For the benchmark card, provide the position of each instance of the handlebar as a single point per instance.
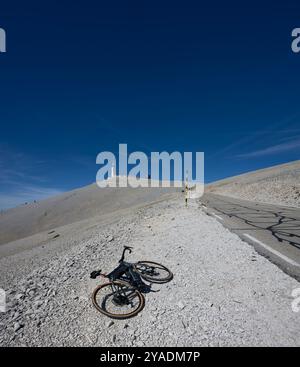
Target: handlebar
(96, 273)
(126, 248)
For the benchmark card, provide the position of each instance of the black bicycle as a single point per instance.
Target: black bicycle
(122, 296)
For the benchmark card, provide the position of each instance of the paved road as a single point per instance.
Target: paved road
(273, 230)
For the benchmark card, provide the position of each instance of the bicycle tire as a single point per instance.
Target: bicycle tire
(115, 315)
(153, 279)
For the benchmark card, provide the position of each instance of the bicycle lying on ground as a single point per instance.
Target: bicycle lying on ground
(122, 296)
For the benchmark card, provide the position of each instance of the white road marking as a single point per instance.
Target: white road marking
(275, 252)
(217, 216)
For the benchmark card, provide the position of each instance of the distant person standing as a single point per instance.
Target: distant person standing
(186, 188)
(186, 199)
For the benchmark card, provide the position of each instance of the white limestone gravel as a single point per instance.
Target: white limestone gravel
(279, 185)
(223, 293)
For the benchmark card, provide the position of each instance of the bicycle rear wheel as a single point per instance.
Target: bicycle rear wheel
(118, 300)
(153, 272)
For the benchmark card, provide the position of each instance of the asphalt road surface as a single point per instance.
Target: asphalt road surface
(273, 230)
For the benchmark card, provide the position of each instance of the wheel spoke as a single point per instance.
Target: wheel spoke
(118, 300)
(153, 271)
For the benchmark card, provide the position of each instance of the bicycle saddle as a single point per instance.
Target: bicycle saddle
(94, 274)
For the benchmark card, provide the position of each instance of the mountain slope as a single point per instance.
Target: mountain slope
(275, 185)
(71, 207)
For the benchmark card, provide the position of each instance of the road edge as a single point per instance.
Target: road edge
(287, 265)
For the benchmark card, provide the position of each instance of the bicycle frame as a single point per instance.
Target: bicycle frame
(126, 269)
(127, 272)
(126, 286)
(131, 277)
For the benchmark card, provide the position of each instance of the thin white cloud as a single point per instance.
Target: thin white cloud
(272, 131)
(16, 166)
(274, 149)
(19, 179)
(26, 195)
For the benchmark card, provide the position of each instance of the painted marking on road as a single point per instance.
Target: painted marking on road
(275, 252)
(217, 216)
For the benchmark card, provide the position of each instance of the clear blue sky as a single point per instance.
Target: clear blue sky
(81, 77)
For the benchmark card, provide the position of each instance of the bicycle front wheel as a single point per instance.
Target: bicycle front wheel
(118, 300)
(153, 272)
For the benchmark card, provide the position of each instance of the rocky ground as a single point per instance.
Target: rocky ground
(223, 293)
(271, 191)
(279, 185)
